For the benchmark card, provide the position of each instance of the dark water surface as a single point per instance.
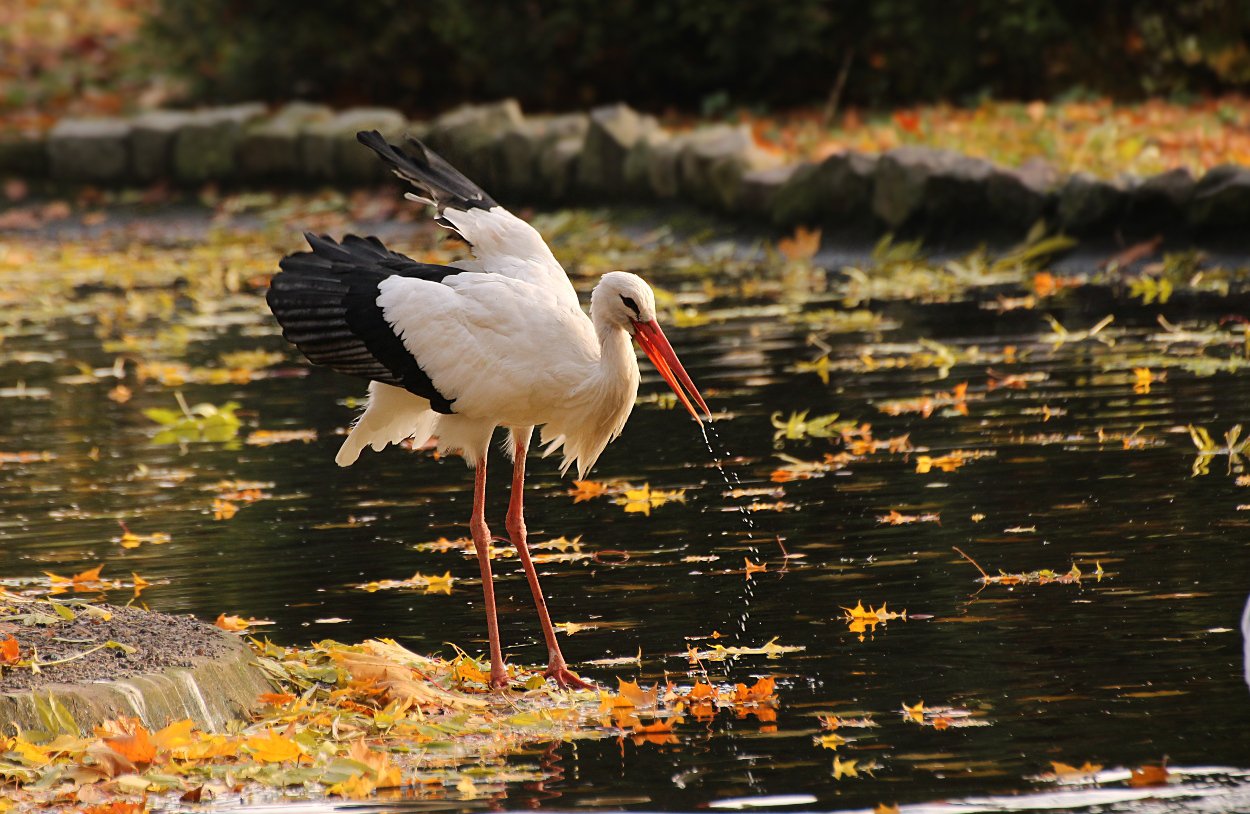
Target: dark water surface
(1076, 468)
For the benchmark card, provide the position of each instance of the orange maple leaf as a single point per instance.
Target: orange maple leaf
(702, 692)
(1065, 770)
(1148, 776)
(231, 623)
(137, 746)
(116, 807)
(657, 726)
(90, 575)
(586, 490)
(802, 245)
(762, 690)
(636, 696)
(908, 120)
(9, 651)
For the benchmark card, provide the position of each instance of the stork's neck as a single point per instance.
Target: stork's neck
(617, 362)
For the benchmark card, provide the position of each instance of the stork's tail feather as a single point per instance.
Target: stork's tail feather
(437, 182)
(391, 416)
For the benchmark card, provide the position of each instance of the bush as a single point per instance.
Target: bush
(561, 54)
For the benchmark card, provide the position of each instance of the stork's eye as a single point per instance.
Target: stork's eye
(631, 305)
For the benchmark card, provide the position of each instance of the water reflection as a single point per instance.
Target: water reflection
(1055, 455)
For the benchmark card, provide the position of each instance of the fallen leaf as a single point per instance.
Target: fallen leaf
(272, 747)
(136, 746)
(1147, 776)
(234, 624)
(802, 245)
(9, 651)
(844, 768)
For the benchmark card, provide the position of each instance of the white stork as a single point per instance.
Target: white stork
(457, 351)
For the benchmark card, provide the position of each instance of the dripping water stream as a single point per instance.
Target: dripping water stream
(733, 482)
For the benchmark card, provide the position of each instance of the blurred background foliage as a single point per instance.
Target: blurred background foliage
(695, 55)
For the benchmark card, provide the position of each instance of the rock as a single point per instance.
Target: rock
(836, 191)
(152, 143)
(713, 161)
(213, 693)
(757, 190)
(640, 170)
(468, 136)
(1088, 203)
(1164, 194)
(557, 167)
(26, 156)
(1020, 196)
(936, 187)
(1221, 199)
(519, 148)
(271, 147)
(329, 151)
(91, 150)
(205, 146)
(613, 131)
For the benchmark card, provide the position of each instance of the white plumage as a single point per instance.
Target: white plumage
(456, 352)
(507, 353)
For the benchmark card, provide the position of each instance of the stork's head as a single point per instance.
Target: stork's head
(623, 301)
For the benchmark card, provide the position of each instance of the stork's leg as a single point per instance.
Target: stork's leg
(556, 668)
(481, 542)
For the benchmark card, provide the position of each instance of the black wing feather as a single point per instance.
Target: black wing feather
(435, 179)
(327, 303)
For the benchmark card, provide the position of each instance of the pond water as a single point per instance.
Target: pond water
(1057, 454)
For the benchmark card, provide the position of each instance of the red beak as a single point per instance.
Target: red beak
(653, 343)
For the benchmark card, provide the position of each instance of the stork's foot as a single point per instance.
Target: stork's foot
(499, 682)
(565, 679)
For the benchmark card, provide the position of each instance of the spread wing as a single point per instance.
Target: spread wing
(502, 243)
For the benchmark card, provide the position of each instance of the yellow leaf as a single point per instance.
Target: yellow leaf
(29, 753)
(439, 585)
(915, 712)
(844, 768)
(637, 696)
(466, 787)
(210, 746)
(273, 747)
(466, 668)
(356, 787)
(830, 741)
(175, 736)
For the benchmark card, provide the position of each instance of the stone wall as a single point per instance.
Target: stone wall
(614, 154)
